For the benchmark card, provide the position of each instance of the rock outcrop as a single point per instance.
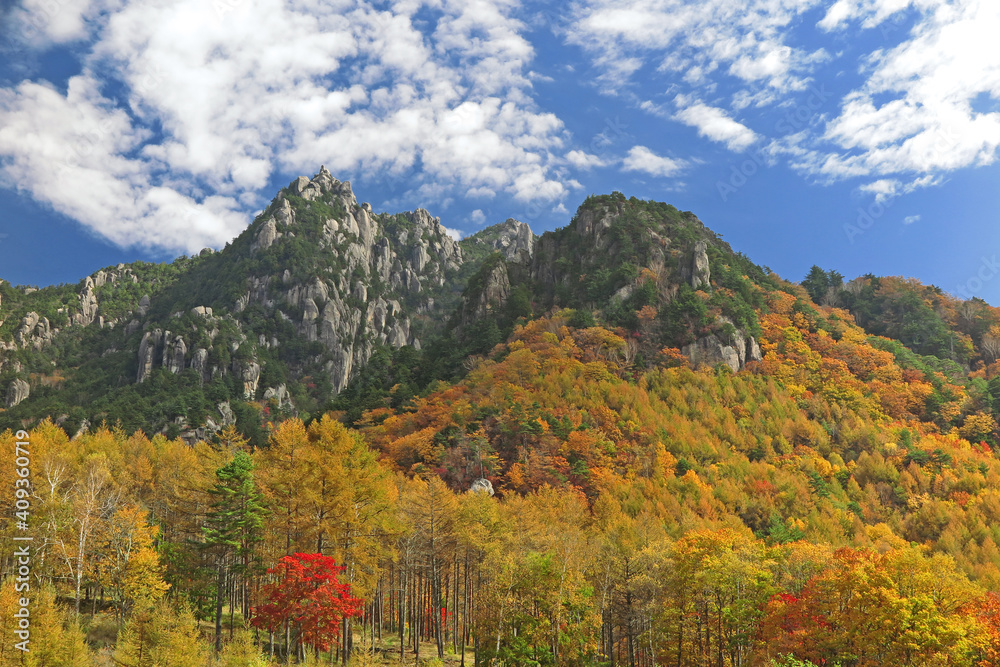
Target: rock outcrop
(697, 273)
(249, 374)
(267, 235)
(490, 297)
(35, 331)
(17, 391)
(511, 238)
(712, 350)
(382, 260)
(151, 340)
(174, 353)
(280, 396)
(88, 303)
(228, 417)
(482, 485)
(199, 362)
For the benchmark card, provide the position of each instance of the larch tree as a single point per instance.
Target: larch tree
(351, 496)
(430, 508)
(158, 636)
(126, 562)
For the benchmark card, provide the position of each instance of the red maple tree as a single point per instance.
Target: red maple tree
(308, 595)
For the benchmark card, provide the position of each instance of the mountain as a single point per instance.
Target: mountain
(291, 310)
(321, 304)
(677, 456)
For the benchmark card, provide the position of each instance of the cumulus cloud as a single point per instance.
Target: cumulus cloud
(210, 109)
(583, 160)
(910, 219)
(644, 160)
(477, 217)
(873, 12)
(44, 22)
(697, 40)
(928, 102)
(916, 112)
(69, 151)
(715, 124)
(883, 189)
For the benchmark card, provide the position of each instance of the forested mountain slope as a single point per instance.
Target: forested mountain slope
(680, 458)
(288, 312)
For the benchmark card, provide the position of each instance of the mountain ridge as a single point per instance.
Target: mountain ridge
(283, 320)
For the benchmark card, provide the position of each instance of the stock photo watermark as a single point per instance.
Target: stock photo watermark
(944, 140)
(868, 216)
(989, 268)
(892, 24)
(611, 134)
(799, 118)
(22, 551)
(89, 143)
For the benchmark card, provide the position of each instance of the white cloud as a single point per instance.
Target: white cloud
(915, 113)
(69, 152)
(584, 160)
(477, 217)
(928, 104)
(873, 12)
(642, 159)
(715, 124)
(697, 40)
(883, 189)
(910, 219)
(453, 233)
(45, 22)
(341, 83)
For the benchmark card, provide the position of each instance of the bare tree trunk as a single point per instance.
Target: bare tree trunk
(403, 583)
(220, 586)
(418, 622)
(466, 593)
(454, 608)
(232, 608)
(435, 605)
(288, 642)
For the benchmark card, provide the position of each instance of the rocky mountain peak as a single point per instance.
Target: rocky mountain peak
(318, 284)
(323, 184)
(516, 241)
(511, 238)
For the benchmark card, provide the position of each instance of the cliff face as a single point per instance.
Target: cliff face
(292, 310)
(343, 278)
(313, 287)
(512, 238)
(369, 278)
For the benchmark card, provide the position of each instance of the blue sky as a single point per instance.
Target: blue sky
(860, 135)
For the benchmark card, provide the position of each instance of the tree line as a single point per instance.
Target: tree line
(179, 549)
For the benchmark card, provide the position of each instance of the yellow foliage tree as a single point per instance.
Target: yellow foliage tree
(126, 564)
(159, 636)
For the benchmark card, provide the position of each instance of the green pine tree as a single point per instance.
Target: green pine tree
(234, 527)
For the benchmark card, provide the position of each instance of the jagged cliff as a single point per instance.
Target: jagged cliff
(366, 279)
(315, 285)
(289, 313)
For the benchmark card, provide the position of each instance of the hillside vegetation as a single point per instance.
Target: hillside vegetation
(620, 443)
